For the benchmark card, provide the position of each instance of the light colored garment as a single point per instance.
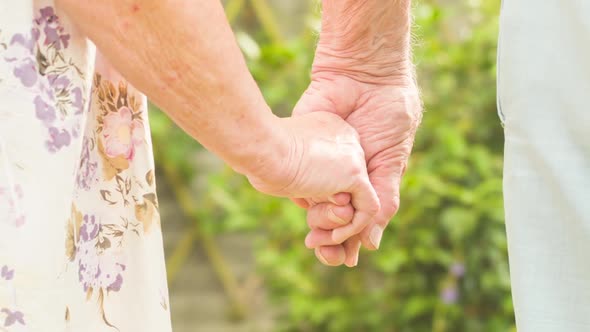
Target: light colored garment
(80, 240)
(544, 90)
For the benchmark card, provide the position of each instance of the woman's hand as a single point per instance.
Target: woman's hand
(324, 157)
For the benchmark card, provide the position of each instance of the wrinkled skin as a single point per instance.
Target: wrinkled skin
(324, 157)
(385, 116)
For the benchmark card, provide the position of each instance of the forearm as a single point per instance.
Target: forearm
(368, 39)
(182, 54)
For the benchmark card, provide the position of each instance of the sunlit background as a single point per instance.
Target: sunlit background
(236, 259)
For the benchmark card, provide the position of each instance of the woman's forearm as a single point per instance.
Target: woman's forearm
(182, 54)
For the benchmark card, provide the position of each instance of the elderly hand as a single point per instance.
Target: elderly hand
(386, 115)
(323, 158)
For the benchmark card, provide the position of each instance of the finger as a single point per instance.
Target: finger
(319, 237)
(301, 202)
(329, 216)
(352, 248)
(366, 205)
(340, 199)
(337, 199)
(331, 255)
(386, 183)
(371, 236)
(316, 99)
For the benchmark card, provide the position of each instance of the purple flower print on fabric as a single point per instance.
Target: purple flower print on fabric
(6, 273)
(25, 65)
(98, 268)
(12, 317)
(44, 111)
(57, 139)
(11, 199)
(39, 62)
(54, 33)
(86, 174)
(27, 72)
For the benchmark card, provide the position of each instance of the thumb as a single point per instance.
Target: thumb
(386, 181)
(326, 97)
(305, 104)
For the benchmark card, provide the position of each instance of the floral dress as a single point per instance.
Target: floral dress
(80, 240)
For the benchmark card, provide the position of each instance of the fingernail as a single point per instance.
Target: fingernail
(307, 239)
(336, 237)
(332, 200)
(375, 235)
(353, 263)
(321, 257)
(333, 217)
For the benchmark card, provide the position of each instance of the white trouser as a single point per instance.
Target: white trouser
(544, 99)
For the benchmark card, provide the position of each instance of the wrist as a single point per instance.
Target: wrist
(367, 40)
(262, 149)
(363, 67)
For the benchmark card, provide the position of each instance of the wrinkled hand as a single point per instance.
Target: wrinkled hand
(323, 158)
(386, 116)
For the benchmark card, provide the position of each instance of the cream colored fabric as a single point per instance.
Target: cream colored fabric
(544, 90)
(80, 240)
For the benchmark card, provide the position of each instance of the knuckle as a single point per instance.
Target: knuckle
(406, 115)
(356, 169)
(412, 110)
(373, 208)
(390, 210)
(310, 221)
(351, 131)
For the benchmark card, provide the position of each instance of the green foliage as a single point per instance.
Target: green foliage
(443, 264)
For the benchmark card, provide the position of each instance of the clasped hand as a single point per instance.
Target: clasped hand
(350, 145)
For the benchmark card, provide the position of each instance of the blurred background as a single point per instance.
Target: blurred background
(236, 259)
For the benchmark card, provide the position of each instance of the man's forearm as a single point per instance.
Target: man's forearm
(183, 55)
(366, 38)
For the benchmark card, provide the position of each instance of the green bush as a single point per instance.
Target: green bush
(443, 264)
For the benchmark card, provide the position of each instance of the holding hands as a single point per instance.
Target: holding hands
(341, 155)
(362, 73)
(350, 142)
(386, 117)
(326, 164)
